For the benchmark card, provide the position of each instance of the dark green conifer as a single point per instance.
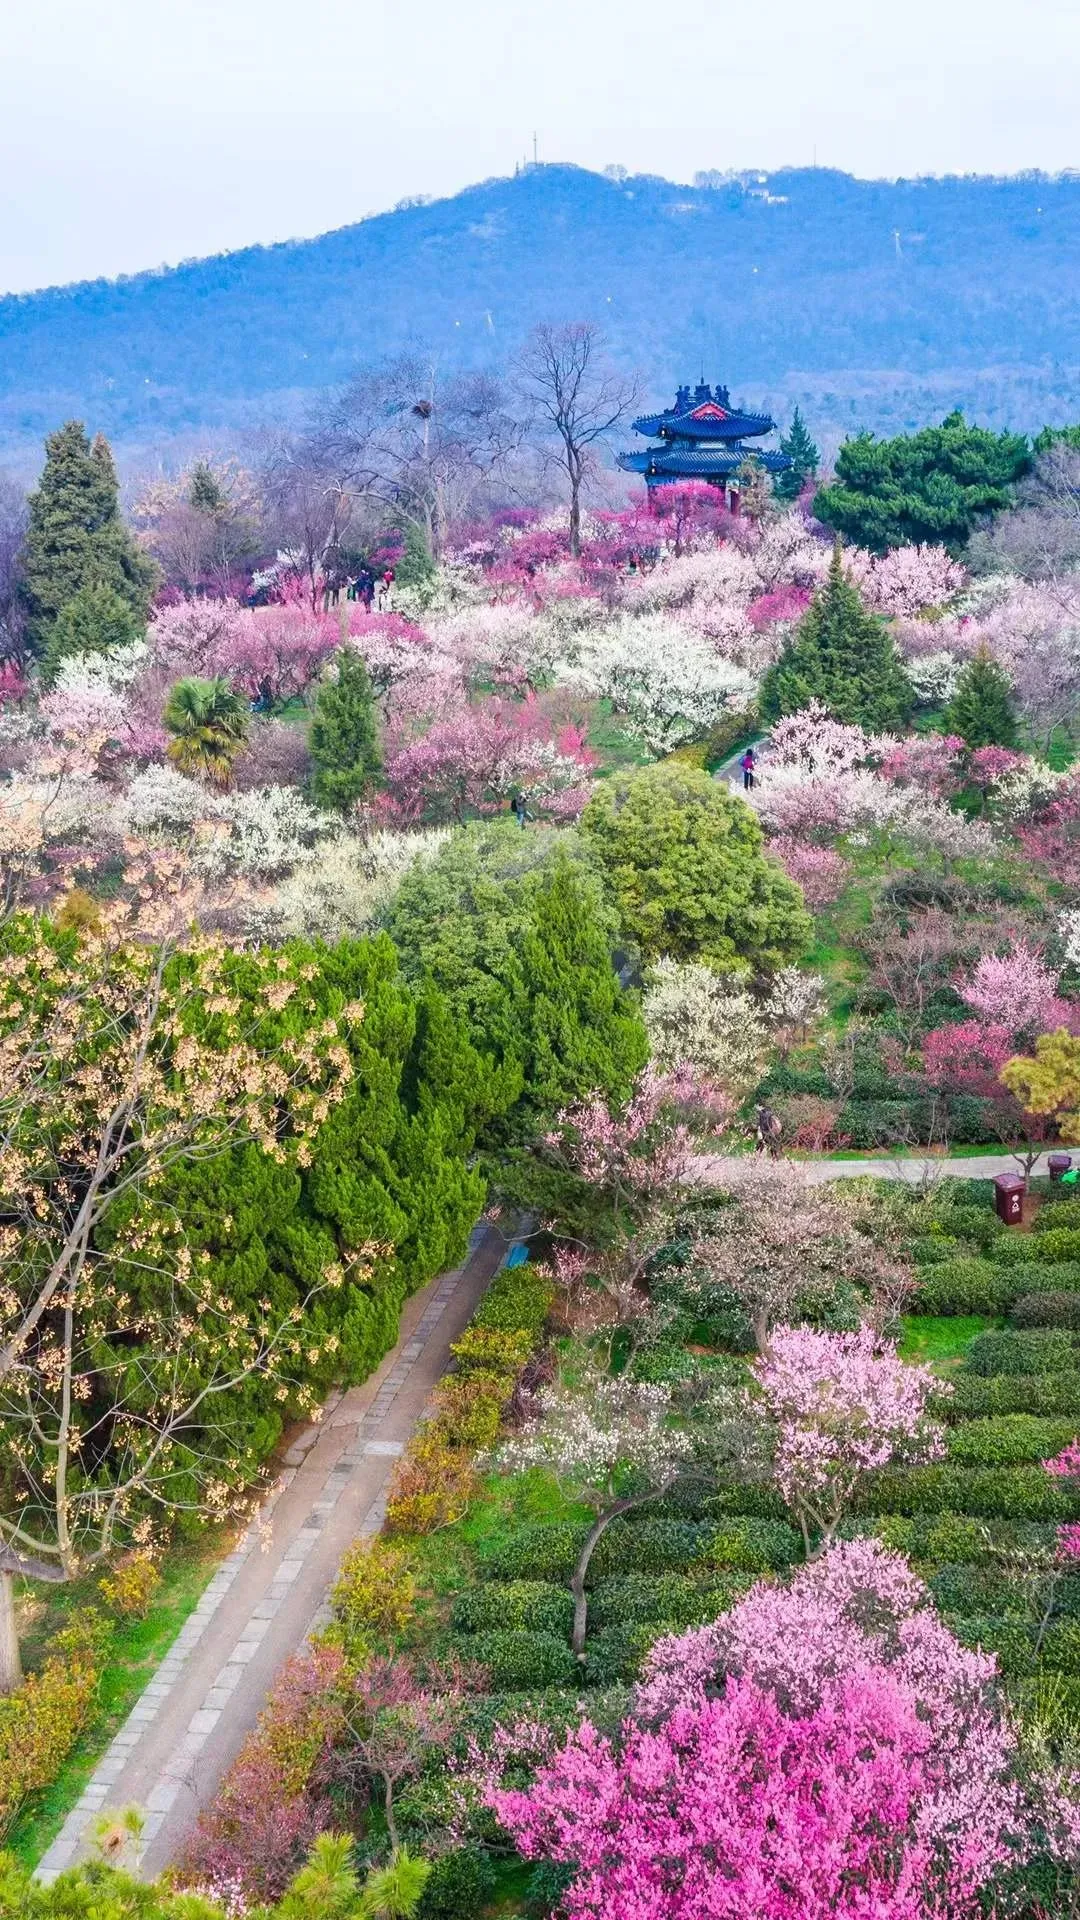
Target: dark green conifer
(843, 656)
(981, 709)
(804, 458)
(344, 737)
(75, 536)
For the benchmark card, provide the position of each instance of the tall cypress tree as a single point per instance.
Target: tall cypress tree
(75, 536)
(981, 709)
(843, 656)
(804, 458)
(344, 736)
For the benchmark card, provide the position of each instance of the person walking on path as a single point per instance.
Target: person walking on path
(748, 763)
(768, 1132)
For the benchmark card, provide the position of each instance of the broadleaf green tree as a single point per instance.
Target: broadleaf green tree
(684, 861)
(981, 710)
(932, 486)
(344, 737)
(843, 656)
(75, 536)
(804, 457)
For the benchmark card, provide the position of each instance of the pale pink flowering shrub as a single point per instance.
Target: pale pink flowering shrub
(1018, 991)
(932, 762)
(843, 1405)
(821, 872)
(968, 1057)
(817, 744)
(473, 762)
(907, 580)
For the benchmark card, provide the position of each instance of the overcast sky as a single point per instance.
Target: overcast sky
(136, 132)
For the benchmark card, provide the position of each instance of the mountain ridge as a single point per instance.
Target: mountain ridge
(877, 303)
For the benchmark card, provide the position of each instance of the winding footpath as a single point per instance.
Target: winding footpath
(265, 1599)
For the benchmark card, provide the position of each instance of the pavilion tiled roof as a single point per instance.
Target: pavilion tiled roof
(683, 462)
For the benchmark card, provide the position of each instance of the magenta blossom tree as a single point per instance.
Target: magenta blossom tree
(824, 1749)
(842, 1405)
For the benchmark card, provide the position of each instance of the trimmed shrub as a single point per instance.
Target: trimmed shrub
(753, 1546)
(978, 1224)
(1013, 1641)
(678, 1597)
(459, 1885)
(1061, 1647)
(1056, 1213)
(1047, 1310)
(517, 1301)
(1005, 1439)
(1039, 1393)
(964, 1285)
(1056, 1243)
(617, 1652)
(1006, 1493)
(958, 1589)
(531, 1606)
(540, 1551)
(1044, 1350)
(655, 1545)
(374, 1592)
(130, 1588)
(41, 1721)
(943, 1537)
(432, 1484)
(514, 1658)
(491, 1350)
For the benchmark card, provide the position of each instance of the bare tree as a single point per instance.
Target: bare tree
(12, 533)
(574, 398)
(309, 503)
(419, 442)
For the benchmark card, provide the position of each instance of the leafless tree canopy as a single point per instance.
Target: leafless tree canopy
(572, 398)
(409, 437)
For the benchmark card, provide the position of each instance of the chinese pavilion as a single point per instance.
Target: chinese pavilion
(702, 437)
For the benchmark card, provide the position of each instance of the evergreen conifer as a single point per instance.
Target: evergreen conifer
(75, 536)
(804, 458)
(981, 709)
(843, 656)
(344, 736)
(96, 620)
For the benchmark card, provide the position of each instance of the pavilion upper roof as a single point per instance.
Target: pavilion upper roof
(703, 415)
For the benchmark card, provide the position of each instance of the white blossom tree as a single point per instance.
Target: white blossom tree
(609, 1442)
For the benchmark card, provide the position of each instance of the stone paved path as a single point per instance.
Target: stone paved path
(263, 1601)
(981, 1166)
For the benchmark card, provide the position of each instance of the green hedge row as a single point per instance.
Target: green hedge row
(531, 1606)
(943, 1538)
(678, 1597)
(1054, 1213)
(1038, 1393)
(1014, 1642)
(514, 1658)
(1054, 1244)
(963, 1588)
(1008, 1439)
(1003, 1493)
(1047, 1310)
(966, 1284)
(518, 1300)
(1036, 1350)
(660, 1545)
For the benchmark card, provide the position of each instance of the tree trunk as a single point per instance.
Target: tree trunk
(577, 1584)
(10, 1663)
(388, 1807)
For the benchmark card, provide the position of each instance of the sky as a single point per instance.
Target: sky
(135, 133)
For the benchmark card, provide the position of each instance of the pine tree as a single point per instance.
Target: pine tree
(204, 492)
(804, 458)
(75, 537)
(96, 620)
(344, 737)
(981, 709)
(416, 568)
(843, 656)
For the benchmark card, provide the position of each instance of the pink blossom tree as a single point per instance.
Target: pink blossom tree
(472, 763)
(821, 872)
(843, 1405)
(1017, 990)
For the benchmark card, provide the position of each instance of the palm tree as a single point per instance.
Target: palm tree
(209, 724)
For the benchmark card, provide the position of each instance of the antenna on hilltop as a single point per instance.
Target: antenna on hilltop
(535, 151)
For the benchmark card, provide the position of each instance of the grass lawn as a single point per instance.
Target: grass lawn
(939, 1341)
(135, 1651)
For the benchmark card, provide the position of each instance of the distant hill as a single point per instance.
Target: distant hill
(871, 302)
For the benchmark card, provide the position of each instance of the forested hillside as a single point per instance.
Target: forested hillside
(872, 303)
